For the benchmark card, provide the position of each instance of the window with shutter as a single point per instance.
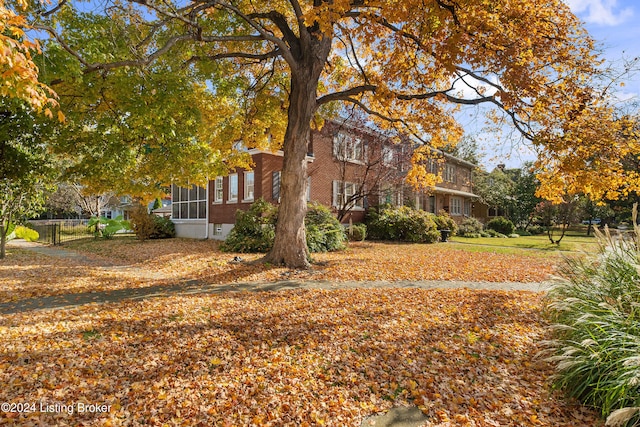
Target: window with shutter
(275, 186)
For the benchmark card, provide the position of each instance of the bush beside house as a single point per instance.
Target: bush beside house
(357, 232)
(255, 229)
(501, 225)
(324, 231)
(470, 227)
(403, 224)
(150, 226)
(444, 222)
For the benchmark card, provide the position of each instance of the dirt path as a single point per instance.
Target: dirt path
(197, 287)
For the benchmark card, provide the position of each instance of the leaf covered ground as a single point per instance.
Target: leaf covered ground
(288, 358)
(305, 357)
(128, 263)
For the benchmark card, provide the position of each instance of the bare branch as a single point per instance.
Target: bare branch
(255, 56)
(345, 95)
(286, 53)
(55, 9)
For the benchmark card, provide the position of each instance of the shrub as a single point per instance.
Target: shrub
(106, 228)
(163, 228)
(357, 232)
(324, 231)
(142, 223)
(491, 233)
(27, 234)
(254, 230)
(444, 222)
(522, 232)
(150, 226)
(473, 235)
(595, 309)
(403, 223)
(536, 229)
(513, 236)
(501, 225)
(470, 227)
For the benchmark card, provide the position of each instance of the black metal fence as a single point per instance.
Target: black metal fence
(58, 231)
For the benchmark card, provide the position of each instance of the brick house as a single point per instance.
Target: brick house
(349, 169)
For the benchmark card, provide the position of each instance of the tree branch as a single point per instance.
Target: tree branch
(91, 67)
(256, 56)
(286, 53)
(345, 95)
(281, 22)
(55, 9)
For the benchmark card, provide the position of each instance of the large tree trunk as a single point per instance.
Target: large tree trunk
(290, 245)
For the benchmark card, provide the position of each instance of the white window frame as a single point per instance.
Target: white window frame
(467, 208)
(348, 148)
(433, 166)
(249, 186)
(386, 194)
(218, 190)
(455, 206)
(400, 197)
(233, 179)
(276, 185)
(450, 173)
(342, 191)
(199, 201)
(387, 156)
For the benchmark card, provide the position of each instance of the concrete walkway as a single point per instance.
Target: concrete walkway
(199, 287)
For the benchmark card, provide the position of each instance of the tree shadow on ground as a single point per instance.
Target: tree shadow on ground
(298, 357)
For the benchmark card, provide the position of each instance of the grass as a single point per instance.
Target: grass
(572, 242)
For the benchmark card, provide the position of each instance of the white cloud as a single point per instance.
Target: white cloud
(602, 12)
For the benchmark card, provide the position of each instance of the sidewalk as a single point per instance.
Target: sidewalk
(198, 287)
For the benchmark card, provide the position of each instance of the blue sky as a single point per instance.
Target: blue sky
(615, 25)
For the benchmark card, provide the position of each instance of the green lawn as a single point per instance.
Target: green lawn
(572, 242)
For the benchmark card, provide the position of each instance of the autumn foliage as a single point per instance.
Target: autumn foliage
(18, 70)
(296, 358)
(276, 66)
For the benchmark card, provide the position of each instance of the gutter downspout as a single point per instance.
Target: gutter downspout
(206, 225)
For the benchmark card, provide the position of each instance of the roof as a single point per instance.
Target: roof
(164, 209)
(442, 190)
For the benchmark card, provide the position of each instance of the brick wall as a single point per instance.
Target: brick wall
(323, 170)
(225, 212)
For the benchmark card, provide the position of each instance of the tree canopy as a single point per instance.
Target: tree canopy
(26, 169)
(409, 65)
(17, 67)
